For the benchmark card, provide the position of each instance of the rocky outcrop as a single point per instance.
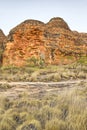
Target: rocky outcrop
(51, 43)
(57, 23)
(2, 40)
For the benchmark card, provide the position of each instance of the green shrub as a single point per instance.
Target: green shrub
(83, 60)
(33, 61)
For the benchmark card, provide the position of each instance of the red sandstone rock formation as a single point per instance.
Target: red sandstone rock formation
(2, 39)
(53, 43)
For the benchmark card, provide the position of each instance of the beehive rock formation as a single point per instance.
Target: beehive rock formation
(53, 42)
(2, 40)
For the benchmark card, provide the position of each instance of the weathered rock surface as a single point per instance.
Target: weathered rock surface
(52, 43)
(2, 39)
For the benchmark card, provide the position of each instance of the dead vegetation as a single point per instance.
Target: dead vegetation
(45, 73)
(44, 107)
(52, 110)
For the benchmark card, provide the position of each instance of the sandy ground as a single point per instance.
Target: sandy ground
(38, 88)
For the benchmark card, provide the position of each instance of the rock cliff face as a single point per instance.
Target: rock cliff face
(2, 40)
(51, 43)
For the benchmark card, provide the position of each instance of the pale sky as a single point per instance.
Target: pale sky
(13, 12)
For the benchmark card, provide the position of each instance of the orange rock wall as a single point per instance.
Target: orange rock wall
(52, 42)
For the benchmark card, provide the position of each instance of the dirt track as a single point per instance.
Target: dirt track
(41, 88)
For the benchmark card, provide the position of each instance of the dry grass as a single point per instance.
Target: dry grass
(64, 111)
(45, 74)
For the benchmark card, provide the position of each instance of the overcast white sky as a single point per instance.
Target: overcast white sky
(13, 12)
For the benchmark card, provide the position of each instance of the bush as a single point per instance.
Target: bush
(30, 125)
(5, 86)
(7, 123)
(56, 124)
